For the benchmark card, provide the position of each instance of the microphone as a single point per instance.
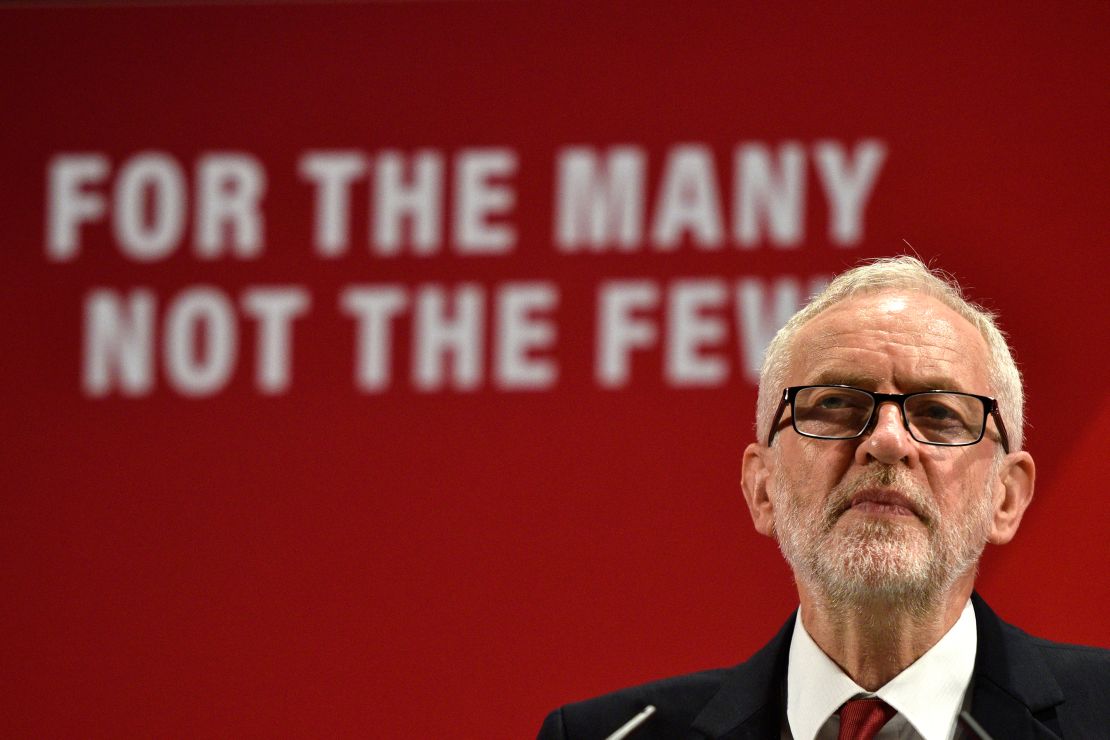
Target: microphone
(974, 727)
(628, 727)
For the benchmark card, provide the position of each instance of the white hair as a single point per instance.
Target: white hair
(897, 273)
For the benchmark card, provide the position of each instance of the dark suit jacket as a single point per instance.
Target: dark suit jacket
(1022, 687)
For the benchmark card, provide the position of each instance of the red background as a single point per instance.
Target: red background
(456, 564)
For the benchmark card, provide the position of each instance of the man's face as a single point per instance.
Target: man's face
(884, 514)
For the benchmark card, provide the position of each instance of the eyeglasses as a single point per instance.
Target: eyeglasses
(946, 418)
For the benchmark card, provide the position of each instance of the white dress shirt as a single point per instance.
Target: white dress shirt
(928, 695)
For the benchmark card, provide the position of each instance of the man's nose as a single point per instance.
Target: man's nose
(888, 441)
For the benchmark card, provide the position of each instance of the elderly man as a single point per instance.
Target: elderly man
(889, 454)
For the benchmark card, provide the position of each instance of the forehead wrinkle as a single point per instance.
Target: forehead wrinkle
(855, 366)
(866, 345)
(938, 332)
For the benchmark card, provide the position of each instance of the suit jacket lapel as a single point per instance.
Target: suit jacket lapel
(749, 703)
(1015, 694)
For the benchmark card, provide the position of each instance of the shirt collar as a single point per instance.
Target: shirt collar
(929, 693)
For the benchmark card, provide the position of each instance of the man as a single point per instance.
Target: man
(889, 453)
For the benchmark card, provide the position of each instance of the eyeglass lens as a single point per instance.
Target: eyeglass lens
(935, 418)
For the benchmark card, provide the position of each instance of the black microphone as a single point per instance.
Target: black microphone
(628, 727)
(974, 727)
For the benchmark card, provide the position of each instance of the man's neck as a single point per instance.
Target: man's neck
(874, 641)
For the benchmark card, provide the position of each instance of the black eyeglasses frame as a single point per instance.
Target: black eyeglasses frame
(990, 408)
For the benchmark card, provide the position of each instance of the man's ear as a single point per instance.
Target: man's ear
(755, 477)
(1013, 491)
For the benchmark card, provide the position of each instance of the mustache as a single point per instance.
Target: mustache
(880, 476)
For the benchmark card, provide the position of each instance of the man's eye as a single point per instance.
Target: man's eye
(938, 416)
(938, 412)
(841, 401)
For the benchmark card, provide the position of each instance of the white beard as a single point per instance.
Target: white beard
(880, 559)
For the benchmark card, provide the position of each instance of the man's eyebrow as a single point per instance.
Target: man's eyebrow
(841, 377)
(870, 382)
(934, 383)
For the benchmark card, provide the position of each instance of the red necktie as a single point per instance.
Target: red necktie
(861, 719)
